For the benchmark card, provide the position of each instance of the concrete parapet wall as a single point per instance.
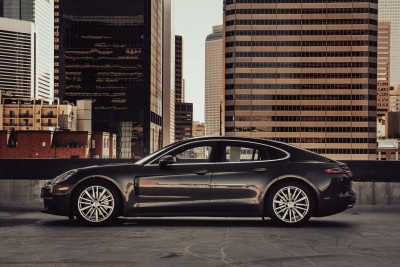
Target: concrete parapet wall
(21, 194)
(25, 194)
(377, 193)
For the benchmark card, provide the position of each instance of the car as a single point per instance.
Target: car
(208, 176)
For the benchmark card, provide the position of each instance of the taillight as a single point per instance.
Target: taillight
(338, 170)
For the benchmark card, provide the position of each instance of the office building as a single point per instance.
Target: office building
(383, 77)
(303, 73)
(183, 121)
(389, 11)
(199, 129)
(41, 13)
(395, 98)
(111, 52)
(29, 114)
(214, 81)
(17, 49)
(179, 82)
(168, 73)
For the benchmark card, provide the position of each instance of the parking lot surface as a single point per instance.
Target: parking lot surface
(362, 236)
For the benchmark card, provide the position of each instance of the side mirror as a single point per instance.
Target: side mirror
(166, 160)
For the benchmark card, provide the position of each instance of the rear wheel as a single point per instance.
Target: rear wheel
(96, 203)
(290, 204)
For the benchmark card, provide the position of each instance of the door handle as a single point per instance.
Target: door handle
(201, 172)
(261, 170)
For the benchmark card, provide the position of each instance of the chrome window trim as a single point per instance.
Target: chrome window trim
(195, 141)
(224, 140)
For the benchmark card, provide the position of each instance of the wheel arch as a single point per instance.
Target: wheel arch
(101, 178)
(295, 178)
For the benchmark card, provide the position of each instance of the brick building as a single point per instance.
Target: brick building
(48, 144)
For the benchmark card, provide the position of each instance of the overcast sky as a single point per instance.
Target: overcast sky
(194, 20)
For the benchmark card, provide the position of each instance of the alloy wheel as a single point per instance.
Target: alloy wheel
(291, 204)
(96, 203)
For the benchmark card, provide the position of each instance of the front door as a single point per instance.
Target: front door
(180, 188)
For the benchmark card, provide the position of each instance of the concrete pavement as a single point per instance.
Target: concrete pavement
(362, 236)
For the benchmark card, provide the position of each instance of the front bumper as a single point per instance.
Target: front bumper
(336, 203)
(55, 203)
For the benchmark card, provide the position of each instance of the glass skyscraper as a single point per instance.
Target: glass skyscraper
(111, 52)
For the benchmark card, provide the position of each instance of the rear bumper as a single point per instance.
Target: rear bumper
(55, 204)
(336, 203)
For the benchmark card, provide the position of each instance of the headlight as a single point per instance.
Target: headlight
(64, 176)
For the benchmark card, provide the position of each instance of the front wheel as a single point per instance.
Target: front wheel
(96, 203)
(290, 204)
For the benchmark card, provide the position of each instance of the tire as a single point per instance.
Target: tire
(290, 204)
(96, 203)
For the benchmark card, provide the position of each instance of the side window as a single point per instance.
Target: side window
(193, 154)
(275, 154)
(238, 153)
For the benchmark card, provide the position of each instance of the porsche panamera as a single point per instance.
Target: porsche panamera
(209, 176)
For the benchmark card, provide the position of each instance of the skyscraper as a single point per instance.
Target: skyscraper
(168, 73)
(214, 81)
(17, 64)
(383, 77)
(303, 73)
(41, 13)
(179, 83)
(389, 11)
(111, 52)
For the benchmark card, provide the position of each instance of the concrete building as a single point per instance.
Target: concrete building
(179, 82)
(303, 73)
(183, 121)
(383, 77)
(214, 81)
(395, 98)
(30, 114)
(18, 114)
(388, 149)
(168, 73)
(56, 145)
(111, 53)
(389, 11)
(392, 127)
(199, 129)
(17, 62)
(41, 13)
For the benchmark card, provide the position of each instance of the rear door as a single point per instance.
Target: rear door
(240, 177)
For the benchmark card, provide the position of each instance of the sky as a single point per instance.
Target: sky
(193, 21)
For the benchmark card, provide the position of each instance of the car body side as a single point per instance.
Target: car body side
(332, 192)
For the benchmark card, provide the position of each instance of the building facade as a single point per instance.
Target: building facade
(214, 81)
(29, 114)
(389, 11)
(112, 54)
(17, 62)
(41, 13)
(303, 73)
(395, 98)
(383, 77)
(199, 129)
(183, 121)
(179, 83)
(56, 145)
(168, 73)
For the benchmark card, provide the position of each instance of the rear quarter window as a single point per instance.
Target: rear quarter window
(276, 154)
